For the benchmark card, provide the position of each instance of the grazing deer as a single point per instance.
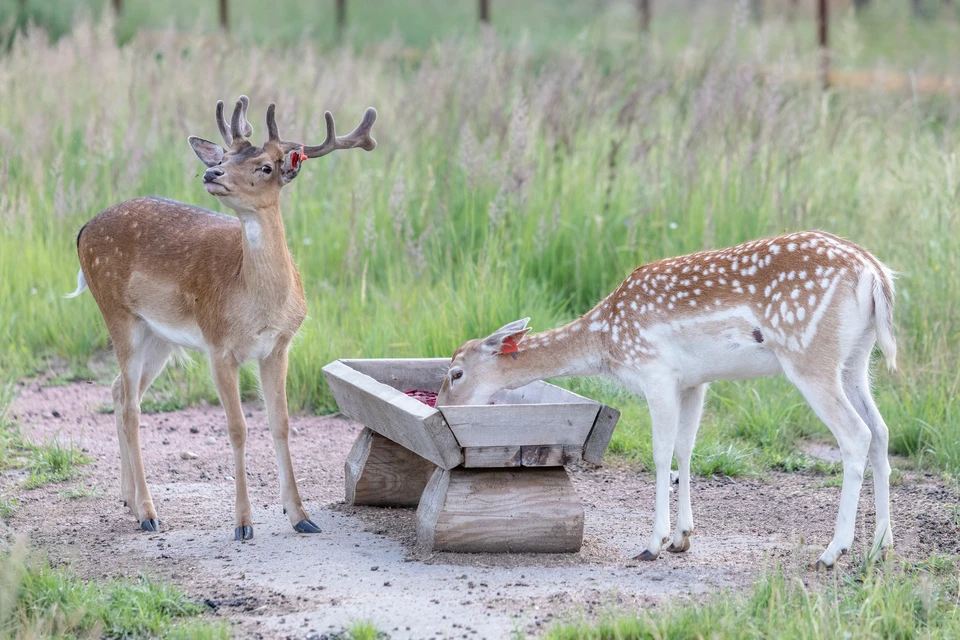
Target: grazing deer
(169, 276)
(809, 304)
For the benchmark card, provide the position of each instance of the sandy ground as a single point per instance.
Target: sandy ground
(364, 564)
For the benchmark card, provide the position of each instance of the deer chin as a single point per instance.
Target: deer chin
(216, 189)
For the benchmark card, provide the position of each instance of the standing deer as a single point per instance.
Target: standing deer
(808, 304)
(168, 276)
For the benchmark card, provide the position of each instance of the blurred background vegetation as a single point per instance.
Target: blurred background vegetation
(524, 168)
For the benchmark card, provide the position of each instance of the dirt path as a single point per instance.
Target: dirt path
(364, 566)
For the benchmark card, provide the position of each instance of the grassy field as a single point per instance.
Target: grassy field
(503, 187)
(515, 177)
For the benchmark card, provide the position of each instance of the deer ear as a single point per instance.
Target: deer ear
(210, 153)
(290, 167)
(507, 338)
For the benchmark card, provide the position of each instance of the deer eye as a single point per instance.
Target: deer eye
(456, 374)
(267, 169)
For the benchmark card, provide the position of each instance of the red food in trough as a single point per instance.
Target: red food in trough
(426, 397)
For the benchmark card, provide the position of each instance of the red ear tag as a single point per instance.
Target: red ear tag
(297, 157)
(509, 346)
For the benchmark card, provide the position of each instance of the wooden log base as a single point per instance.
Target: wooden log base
(518, 510)
(381, 473)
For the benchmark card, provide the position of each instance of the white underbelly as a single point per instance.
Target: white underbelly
(715, 350)
(707, 361)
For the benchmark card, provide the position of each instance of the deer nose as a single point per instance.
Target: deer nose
(212, 174)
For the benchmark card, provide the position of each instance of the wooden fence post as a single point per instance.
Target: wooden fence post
(485, 11)
(643, 8)
(224, 16)
(118, 7)
(341, 19)
(823, 18)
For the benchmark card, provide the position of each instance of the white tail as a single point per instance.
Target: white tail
(81, 285)
(883, 315)
(809, 305)
(167, 275)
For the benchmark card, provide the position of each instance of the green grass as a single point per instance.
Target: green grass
(53, 461)
(80, 492)
(8, 506)
(39, 600)
(894, 600)
(365, 630)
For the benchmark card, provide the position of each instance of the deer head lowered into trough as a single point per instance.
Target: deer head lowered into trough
(168, 276)
(809, 305)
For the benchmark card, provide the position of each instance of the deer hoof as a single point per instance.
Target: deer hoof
(820, 565)
(684, 546)
(150, 525)
(306, 526)
(243, 533)
(645, 556)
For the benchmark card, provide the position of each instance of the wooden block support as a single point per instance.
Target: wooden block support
(500, 511)
(381, 473)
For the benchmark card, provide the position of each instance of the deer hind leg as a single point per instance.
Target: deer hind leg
(824, 392)
(691, 407)
(226, 376)
(664, 403)
(273, 379)
(153, 353)
(856, 386)
(128, 493)
(136, 353)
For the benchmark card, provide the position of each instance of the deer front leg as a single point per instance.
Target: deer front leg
(664, 403)
(273, 379)
(226, 375)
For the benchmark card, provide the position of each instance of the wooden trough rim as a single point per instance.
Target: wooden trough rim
(576, 397)
(444, 449)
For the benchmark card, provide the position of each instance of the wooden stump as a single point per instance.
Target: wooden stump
(500, 511)
(381, 473)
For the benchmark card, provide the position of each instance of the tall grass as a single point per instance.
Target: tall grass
(506, 184)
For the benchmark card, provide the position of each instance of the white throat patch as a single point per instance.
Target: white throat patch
(251, 227)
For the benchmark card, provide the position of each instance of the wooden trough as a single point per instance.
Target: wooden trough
(485, 478)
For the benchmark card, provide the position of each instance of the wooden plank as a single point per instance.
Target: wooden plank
(381, 473)
(485, 457)
(392, 414)
(404, 374)
(500, 511)
(539, 392)
(521, 424)
(600, 434)
(557, 455)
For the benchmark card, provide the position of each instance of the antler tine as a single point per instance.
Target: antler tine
(246, 129)
(272, 128)
(235, 127)
(358, 138)
(222, 125)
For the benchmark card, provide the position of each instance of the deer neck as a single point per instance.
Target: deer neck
(266, 266)
(567, 351)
